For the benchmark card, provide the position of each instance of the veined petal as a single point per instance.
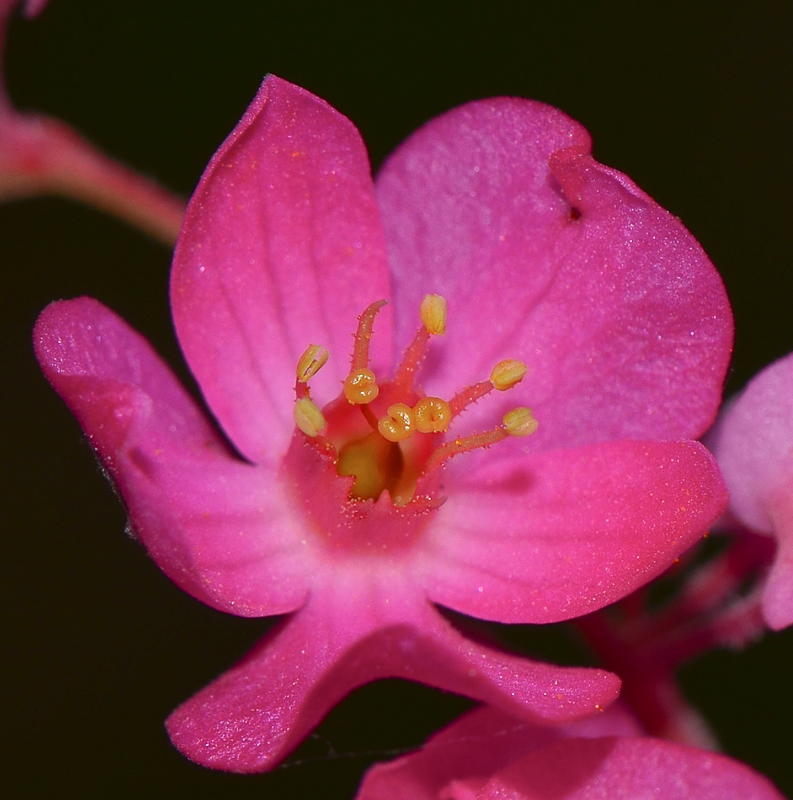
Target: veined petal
(559, 534)
(545, 255)
(476, 746)
(253, 715)
(282, 247)
(215, 525)
(625, 769)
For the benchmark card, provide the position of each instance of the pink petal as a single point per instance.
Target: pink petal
(778, 590)
(753, 443)
(281, 247)
(627, 769)
(32, 8)
(559, 534)
(622, 319)
(216, 526)
(474, 747)
(253, 715)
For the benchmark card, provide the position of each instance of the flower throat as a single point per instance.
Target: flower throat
(387, 435)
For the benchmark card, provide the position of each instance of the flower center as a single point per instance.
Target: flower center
(387, 435)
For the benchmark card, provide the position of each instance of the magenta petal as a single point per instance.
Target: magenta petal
(251, 716)
(282, 246)
(474, 747)
(559, 534)
(626, 769)
(552, 258)
(215, 525)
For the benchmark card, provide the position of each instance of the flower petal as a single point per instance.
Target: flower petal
(253, 715)
(778, 589)
(548, 256)
(626, 769)
(753, 443)
(214, 524)
(559, 534)
(282, 246)
(474, 747)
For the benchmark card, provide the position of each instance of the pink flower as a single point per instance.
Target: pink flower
(543, 255)
(42, 155)
(753, 442)
(487, 755)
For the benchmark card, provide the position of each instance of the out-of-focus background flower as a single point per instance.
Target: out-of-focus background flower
(691, 100)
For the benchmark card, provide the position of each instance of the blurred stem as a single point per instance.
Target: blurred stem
(40, 155)
(645, 647)
(648, 686)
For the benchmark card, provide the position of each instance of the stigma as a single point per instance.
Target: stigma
(386, 434)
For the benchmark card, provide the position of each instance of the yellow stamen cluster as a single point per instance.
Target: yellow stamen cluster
(308, 417)
(375, 464)
(429, 415)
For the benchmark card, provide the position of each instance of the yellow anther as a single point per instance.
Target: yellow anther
(433, 314)
(308, 417)
(520, 422)
(311, 362)
(507, 374)
(360, 387)
(433, 415)
(398, 424)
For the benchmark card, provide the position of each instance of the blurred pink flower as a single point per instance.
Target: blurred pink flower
(488, 755)
(753, 443)
(543, 254)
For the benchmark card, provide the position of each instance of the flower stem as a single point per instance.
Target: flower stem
(40, 155)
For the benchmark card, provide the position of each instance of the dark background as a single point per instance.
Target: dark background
(692, 100)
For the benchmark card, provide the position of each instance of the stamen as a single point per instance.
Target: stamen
(464, 444)
(311, 362)
(308, 417)
(520, 422)
(507, 374)
(360, 386)
(517, 422)
(433, 323)
(468, 396)
(433, 415)
(398, 424)
(503, 376)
